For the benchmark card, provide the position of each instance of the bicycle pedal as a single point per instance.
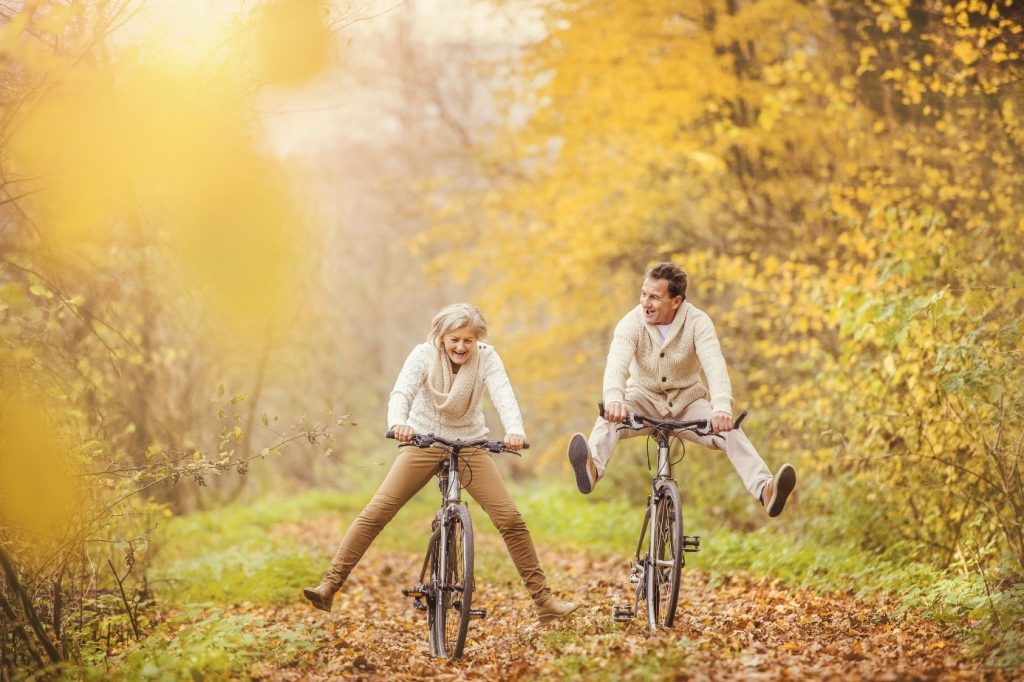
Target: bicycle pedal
(415, 592)
(622, 614)
(691, 543)
(478, 613)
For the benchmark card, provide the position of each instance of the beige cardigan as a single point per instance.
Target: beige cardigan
(667, 374)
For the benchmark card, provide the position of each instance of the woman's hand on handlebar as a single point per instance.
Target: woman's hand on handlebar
(403, 433)
(514, 441)
(615, 412)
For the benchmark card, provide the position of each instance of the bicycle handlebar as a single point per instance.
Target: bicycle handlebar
(425, 440)
(637, 421)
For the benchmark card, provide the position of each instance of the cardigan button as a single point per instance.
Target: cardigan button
(670, 404)
(664, 379)
(662, 354)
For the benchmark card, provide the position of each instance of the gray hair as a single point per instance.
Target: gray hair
(456, 316)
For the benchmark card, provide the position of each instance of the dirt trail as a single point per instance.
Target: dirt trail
(728, 628)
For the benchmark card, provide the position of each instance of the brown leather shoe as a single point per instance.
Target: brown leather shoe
(322, 596)
(778, 489)
(550, 607)
(582, 463)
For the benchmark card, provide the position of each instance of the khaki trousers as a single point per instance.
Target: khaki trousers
(737, 447)
(413, 468)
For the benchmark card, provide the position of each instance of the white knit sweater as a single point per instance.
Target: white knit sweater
(410, 403)
(667, 374)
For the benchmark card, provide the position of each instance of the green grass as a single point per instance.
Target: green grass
(215, 645)
(228, 555)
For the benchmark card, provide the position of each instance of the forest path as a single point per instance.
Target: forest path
(727, 627)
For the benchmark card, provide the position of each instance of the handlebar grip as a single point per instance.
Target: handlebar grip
(526, 446)
(389, 434)
(736, 424)
(600, 409)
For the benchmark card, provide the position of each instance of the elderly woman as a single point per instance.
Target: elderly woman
(439, 391)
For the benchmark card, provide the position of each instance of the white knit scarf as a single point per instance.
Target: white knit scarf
(454, 394)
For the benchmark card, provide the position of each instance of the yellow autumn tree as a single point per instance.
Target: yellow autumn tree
(843, 183)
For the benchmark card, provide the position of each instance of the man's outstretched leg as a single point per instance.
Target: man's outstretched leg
(590, 457)
(582, 463)
(771, 491)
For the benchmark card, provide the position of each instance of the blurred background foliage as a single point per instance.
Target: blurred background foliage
(222, 229)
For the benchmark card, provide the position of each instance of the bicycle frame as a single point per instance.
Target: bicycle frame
(440, 561)
(656, 570)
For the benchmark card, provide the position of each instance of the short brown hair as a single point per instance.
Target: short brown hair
(675, 276)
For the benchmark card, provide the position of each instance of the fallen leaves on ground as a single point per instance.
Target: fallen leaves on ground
(727, 627)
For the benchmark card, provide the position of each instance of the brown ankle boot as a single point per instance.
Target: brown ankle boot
(322, 596)
(550, 607)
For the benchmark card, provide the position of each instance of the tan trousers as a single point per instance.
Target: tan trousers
(737, 447)
(413, 468)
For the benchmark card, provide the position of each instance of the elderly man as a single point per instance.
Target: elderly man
(653, 368)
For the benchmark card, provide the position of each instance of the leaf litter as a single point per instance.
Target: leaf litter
(728, 627)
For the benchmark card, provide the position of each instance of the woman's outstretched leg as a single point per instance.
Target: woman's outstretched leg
(412, 469)
(487, 487)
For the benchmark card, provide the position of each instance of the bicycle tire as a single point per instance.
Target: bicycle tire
(454, 595)
(665, 558)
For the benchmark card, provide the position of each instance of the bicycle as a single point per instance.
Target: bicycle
(656, 575)
(446, 585)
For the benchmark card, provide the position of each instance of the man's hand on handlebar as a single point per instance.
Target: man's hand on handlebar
(514, 441)
(403, 433)
(615, 412)
(720, 422)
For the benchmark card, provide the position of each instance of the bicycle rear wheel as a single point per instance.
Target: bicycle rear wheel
(665, 559)
(454, 594)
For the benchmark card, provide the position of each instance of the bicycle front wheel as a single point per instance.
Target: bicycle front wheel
(454, 595)
(666, 556)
